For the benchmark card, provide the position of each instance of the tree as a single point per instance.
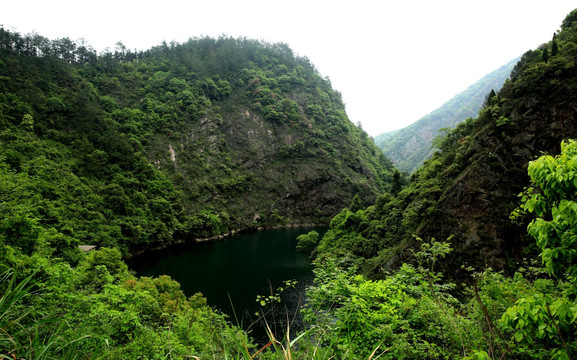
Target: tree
(64, 48)
(356, 204)
(397, 184)
(489, 98)
(21, 232)
(554, 201)
(554, 48)
(541, 320)
(569, 19)
(545, 55)
(307, 242)
(27, 122)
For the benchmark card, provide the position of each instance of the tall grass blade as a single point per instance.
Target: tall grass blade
(12, 294)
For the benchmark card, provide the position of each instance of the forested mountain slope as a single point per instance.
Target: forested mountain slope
(133, 149)
(409, 147)
(467, 190)
(129, 151)
(87, 156)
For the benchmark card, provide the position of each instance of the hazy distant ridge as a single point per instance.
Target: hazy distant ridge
(409, 147)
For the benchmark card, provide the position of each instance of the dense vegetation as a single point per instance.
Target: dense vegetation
(463, 197)
(409, 147)
(186, 140)
(130, 150)
(415, 313)
(452, 265)
(469, 187)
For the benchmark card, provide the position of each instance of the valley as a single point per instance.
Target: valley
(470, 256)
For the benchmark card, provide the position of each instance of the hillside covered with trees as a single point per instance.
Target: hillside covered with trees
(409, 147)
(180, 141)
(468, 189)
(458, 264)
(474, 258)
(133, 150)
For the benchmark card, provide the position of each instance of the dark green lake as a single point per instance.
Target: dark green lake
(233, 271)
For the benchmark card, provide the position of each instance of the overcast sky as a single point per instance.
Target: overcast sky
(393, 61)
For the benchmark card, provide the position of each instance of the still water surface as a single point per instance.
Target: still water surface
(231, 272)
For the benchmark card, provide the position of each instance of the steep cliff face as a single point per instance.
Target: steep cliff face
(507, 136)
(276, 148)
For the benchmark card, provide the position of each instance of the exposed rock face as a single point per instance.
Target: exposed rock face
(178, 142)
(273, 171)
(272, 140)
(172, 154)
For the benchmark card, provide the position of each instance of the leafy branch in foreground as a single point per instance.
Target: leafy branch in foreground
(554, 200)
(545, 321)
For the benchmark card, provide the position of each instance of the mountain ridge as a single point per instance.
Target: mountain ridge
(409, 147)
(467, 190)
(103, 150)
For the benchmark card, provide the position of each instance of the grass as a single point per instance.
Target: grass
(21, 338)
(314, 343)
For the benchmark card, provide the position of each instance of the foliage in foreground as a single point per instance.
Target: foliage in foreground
(50, 309)
(98, 309)
(414, 314)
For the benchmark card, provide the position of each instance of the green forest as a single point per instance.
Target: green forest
(474, 256)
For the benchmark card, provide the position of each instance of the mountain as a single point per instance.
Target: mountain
(470, 258)
(98, 148)
(409, 147)
(128, 151)
(468, 188)
(193, 140)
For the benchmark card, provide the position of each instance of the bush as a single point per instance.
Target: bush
(308, 242)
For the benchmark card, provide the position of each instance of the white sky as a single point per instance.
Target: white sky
(393, 61)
